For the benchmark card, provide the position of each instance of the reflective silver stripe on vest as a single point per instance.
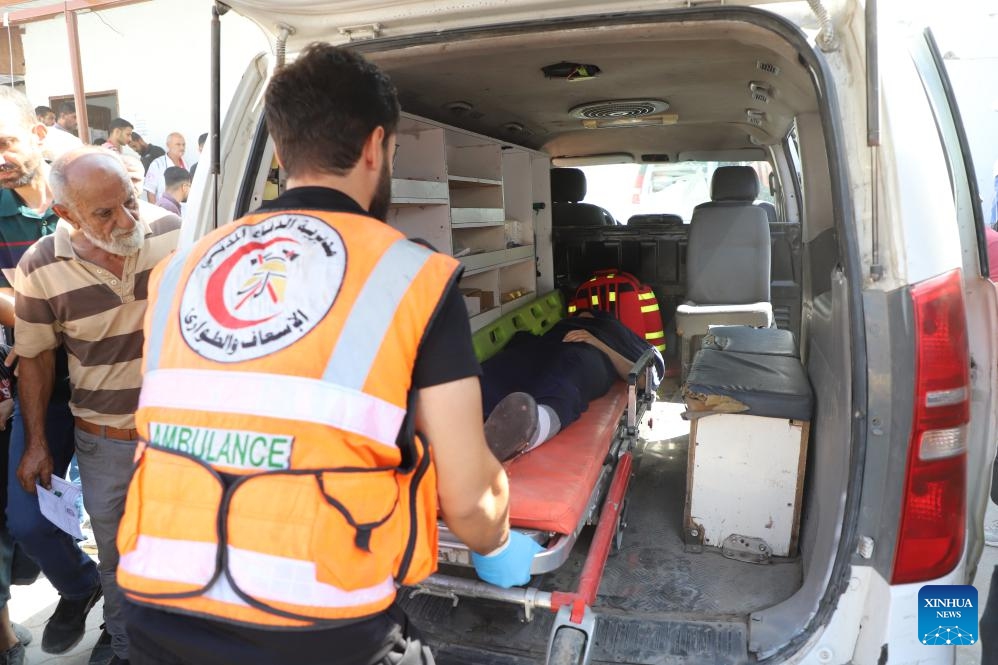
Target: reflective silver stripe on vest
(273, 396)
(164, 303)
(372, 313)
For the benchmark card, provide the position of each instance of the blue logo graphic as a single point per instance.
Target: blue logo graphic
(947, 614)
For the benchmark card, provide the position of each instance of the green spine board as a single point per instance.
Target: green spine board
(536, 317)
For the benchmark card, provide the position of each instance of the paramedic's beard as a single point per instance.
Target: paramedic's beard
(382, 198)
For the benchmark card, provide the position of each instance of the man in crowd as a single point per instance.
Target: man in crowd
(147, 152)
(269, 328)
(178, 186)
(45, 115)
(85, 288)
(155, 184)
(26, 215)
(61, 137)
(119, 135)
(201, 141)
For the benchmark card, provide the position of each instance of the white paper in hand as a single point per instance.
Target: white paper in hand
(58, 505)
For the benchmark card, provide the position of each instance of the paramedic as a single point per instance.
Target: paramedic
(540, 384)
(302, 457)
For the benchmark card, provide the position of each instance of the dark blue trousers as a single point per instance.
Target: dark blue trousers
(562, 376)
(68, 568)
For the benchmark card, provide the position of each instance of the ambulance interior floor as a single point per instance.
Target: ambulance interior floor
(650, 587)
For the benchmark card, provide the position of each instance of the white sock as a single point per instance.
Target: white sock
(548, 425)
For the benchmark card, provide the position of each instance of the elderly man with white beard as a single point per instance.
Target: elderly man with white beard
(85, 287)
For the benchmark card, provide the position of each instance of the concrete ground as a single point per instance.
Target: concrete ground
(32, 606)
(989, 559)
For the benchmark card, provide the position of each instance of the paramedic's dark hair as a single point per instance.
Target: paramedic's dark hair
(202, 139)
(42, 111)
(322, 107)
(67, 108)
(119, 123)
(176, 175)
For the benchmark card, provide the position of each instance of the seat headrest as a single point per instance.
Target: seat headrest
(734, 183)
(579, 214)
(654, 221)
(568, 185)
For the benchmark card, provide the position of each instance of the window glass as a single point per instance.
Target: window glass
(671, 188)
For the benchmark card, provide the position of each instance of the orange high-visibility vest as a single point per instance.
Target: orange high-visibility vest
(282, 483)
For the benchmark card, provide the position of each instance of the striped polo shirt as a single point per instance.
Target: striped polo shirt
(62, 299)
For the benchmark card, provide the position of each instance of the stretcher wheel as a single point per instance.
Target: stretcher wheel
(568, 647)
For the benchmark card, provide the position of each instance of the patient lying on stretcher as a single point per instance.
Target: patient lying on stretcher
(539, 384)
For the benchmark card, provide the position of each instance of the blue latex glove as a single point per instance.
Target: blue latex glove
(510, 566)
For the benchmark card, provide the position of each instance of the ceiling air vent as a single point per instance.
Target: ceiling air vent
(624, 113)
(619, 109)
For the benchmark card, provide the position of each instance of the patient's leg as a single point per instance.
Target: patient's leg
(548, 424)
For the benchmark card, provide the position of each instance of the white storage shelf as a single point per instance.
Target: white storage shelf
(460, 190)
(407, 191)
(485, 318)
(477, 216)
(522, 300)
(497, 259)
(459, 181)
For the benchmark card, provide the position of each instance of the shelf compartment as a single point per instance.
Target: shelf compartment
(406, 191)
(477, 263)
(483, 319)
(466, 195)
(462, 181)
(479, 225)
(484, 260)
(518, 253)
(469, 157)
(421, 152)
(477, 216)
(522, 300)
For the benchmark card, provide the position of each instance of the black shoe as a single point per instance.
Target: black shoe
(511, 425)
(23, 634)
(102, 653)
(67, 624)
(115, 660)
(13, 655)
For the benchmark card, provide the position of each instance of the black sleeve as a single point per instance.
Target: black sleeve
(446, 353)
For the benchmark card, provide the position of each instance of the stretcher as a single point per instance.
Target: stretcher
(578, 478)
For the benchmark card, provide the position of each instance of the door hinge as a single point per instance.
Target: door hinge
(355, 33)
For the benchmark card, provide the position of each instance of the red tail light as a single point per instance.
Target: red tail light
(933, 512)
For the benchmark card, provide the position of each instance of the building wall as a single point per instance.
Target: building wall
(155, 54)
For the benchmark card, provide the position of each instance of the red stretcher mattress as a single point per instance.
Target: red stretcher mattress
(550, 486)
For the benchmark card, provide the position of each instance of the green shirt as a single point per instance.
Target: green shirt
(20, 227)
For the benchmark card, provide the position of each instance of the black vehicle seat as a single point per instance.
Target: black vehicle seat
(770, 211)
(568, 188)
(654, 221)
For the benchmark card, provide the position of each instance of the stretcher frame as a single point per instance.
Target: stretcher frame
(605, 509)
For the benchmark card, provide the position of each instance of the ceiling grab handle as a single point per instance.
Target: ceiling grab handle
(827, 41)
(283, 32)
